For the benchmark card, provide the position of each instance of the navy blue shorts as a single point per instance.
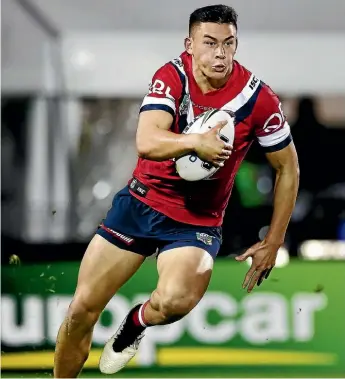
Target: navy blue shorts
(132, 225)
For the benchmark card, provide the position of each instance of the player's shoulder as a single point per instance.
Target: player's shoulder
(242, 71)
(167, 69)
(246, 74)
(173, 68)
(168, 76)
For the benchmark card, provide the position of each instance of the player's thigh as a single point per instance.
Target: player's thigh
(104, 269)
(184, 275)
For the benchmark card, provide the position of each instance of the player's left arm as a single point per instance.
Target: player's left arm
(273, 133)
(285, 163)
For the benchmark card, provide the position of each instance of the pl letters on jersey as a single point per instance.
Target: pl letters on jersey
(158, 86)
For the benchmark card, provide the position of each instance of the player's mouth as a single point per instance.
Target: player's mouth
(219, 68)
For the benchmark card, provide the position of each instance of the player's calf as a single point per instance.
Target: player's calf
(169, 305)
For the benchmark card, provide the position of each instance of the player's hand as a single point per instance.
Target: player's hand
(211, 148)
(263, 260)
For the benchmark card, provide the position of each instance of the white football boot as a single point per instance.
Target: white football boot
(121, 347)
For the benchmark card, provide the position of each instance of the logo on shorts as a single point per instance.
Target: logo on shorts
(122, 237)
(205, 238)
(139, 188)
(127, 240)
(133, 184)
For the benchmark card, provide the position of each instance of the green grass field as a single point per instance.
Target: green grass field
(205, 372)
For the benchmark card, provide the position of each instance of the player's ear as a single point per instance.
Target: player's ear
(188, 45)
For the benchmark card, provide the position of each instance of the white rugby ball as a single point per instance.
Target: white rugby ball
(190, 167)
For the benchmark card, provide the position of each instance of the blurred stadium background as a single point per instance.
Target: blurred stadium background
(73, 75)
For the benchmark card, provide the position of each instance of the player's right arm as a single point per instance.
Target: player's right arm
(155, 140)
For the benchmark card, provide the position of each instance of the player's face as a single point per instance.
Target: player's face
(213, 47)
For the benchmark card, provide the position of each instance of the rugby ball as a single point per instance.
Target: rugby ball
(190, 167)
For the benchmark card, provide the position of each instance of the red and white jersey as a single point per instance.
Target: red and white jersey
(258, 115)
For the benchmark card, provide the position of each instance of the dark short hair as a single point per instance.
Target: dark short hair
(219, 14)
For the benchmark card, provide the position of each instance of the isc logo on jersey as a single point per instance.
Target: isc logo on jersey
(190, 167)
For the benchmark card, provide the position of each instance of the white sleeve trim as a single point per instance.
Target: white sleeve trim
(276, 137)
(149, 100)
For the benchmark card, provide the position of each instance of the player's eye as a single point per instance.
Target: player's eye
(229, 43)
(210, 43)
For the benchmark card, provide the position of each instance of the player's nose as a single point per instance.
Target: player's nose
(220, 52)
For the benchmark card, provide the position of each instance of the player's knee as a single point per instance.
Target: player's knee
(175, 305)
(81, 313)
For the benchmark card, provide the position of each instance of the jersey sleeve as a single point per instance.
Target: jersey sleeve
(164, 91)
(271, 127)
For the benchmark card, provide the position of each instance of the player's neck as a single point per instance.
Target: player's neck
(207, 84)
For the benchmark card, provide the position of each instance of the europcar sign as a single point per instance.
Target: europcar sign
(285, 323)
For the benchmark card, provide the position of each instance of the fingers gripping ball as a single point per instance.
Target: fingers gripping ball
(190, 167)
